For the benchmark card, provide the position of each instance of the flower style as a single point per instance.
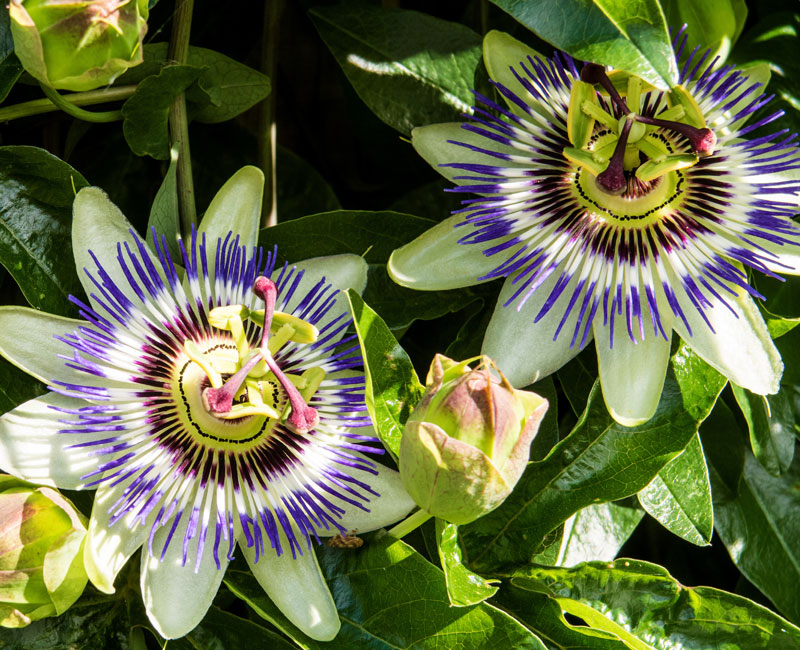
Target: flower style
(617, 212)
(205, 410)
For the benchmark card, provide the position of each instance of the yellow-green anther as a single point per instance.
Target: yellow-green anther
(255, 405)
(653, 169)
(634, 94)
(603, 153)
(304, 332)
(584, 159)
(219, 316)
(313, 378)
(580, 124)
(230, 318)
(676, 112)
(594, 110)
(652, 150)
(679, 97)
(638, 130)
(198, 356)
(280, 338)
(631, 159)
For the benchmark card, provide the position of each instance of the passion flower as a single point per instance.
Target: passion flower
(614, 211)
(206, 407)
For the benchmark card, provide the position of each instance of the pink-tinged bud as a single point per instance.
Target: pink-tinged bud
(467, 442)
(41, 552)
(78, 46)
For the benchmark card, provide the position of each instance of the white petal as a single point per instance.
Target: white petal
(37, 351)
(500, 53)
(740, 346)
(177, 596)
(342, 271)
(235, 208)
(297, 588)
(523, 350)
(435, 260)
(393, 504)
(109, 546)
(99, 225)
(788, 255)
(435, 144)
(631, 374)
(32, 448)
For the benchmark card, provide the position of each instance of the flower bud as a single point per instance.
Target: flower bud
(467, 442)
(78, 46)
(41, 552)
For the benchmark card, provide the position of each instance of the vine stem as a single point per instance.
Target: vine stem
(267, 127)
(79, 113)
(410, 523)
(88, 98)
(179, 120)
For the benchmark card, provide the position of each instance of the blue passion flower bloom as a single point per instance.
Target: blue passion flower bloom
(614, 211)
(212, 403)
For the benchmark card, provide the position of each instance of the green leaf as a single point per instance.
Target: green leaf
(95, 621)
(711, 25)
(164, 211)
(392, 387)
(464, 588)
(301, 189)
(409, 68)
(643, 605)
(227, 87)
(231, 86)
(16, 386)
(389, 596)
(547, 436)
(577, 378)
(36, 193)
(597, 533)
(627, 34)
(770, 421)
(430, 201)
(761, 529)
(220, 629)
(544, 616)
(600, 460)
(10, 67)
(724, 449)
(146, 113)
(774, 40)
(372, 235)
(679, 497)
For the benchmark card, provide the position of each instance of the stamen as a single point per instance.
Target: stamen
(596, 74)
(702, 140)
(613, 179)
(220, 400)
(303, 417)
(196, 354)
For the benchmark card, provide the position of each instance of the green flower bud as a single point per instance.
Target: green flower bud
(78, 45)
(41, 552)
(467, 442)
